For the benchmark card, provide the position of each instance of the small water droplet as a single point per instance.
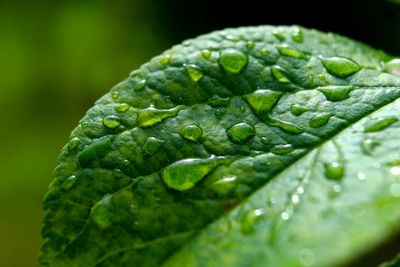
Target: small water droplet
(115, 95)
(219, 112)
(297, 35)
(194, 72)
(186, 43)
(295, 199)
(152, 145)
(217, 101)
(307, 257)
(368, 146)
(379, 124)
(339, 66)
(334, 170)
(231, 38)
(279, 36)
(151, 116)
(191, 132)
(395, 189)
(263, 52)
(249, 219)
(74, 144)
(102, 213)
(240, 133)
(361, 176)
(337, 188)
(84, 125)
(242, 109)
(250, 45)
(297, 109)
(135, 73)
(140, 85)
(165, 60)
(206, 54)
(280, 74)
(319, 120)
(285, 216)
(395, 170)
(111, 122)
(393, 66)
(184, 174)
(300, 190)
(282, 149)
(336, 93)
(232, 61)
(224, 185)
(285, 50)
(69, 183)
(123, 107)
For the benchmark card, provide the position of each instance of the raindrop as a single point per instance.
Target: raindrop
(240, 133)
(340, 66)
(361, 176)
(336, 93)
(111, 122)
(217, 101)
(297, 109)
(285, 216)
(69, 183)
(232, 61)
(379, 124)
(74, 144)
(194, 72)
(297, 35)
(224, 185)
(152, 145)
(263, 52)
(250, 45)
(279, 36)
(395, 170)
(165, 60)
(151, 116)
(206, 54)
(319, 120)
(282, 149)
(285, 50)
(102, 213)
(191, 132)
(280, 74)
(115, 95)
(249, 219)
(140, 85)
(123, 107)
(334, 170)
(295, 199)
(368, 146)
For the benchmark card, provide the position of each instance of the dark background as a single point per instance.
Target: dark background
(58, 57)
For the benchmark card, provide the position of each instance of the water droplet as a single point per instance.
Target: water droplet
(395, 189)
(393, 66)
(241, 133)
(219, 112)
(186, 43)
(242, 109)
(115, 95)
(140, 85)
(379, 124)
(225, 185)
(285, 216)
(194, 72)
(123, 107)
(300, 190)
(279, 36)
(368, 146)
(280, 74)
(297, 35)
(336, 93)
(307, 257)
(69, 183)
(282, 149)
(395, 170)
(295, 199)
(84, 125)
(250, 45)
(263, 52)
(231, 38)
(184, 174)
(135, 73)
(319, 120)
(152, 145)
(285, 50)
(191, 132)
(206, 54)
(297, 109)
(361, 176)
(337, 188)
(74, 144)
(165, 60)
(249, 219)
(217, 101)
(151, 116)
(111, 122)
(102, 213)
(334, 170)
(340, 66)
(232, 61)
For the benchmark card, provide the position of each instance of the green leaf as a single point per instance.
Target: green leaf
(257, 146)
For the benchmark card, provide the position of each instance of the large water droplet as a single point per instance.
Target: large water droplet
(165, 60)
(282, 149)
(336, 93)
(368, 145)
(191, 132)
(297, 109)
(102, 213)
(241, 133)
(285, 50)
(379, 124)
(319, 120)
(249, 219)
(140, 85)
(340, 66)
(151, 116)
(152, 145)
(111, 122)
(123, 107)
(69, 183)
(206, 54)
(334, 170)
(393, 66)
(194, 72)
(297, 35)
(280, 74)
(184, 174)
(232, 61)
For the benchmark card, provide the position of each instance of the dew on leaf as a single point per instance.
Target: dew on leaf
(232, 61)
(334, 170)
(151, 116)
(139, 85)
(206, 54)
(111, 122)
(165, 60)
(285, 216)
(395, 170)
(152, 145)
(262, 101)
(217, 101)
(297, 35)
(368, 145)
(240, 133)
(123, 107)
(194, 72)
(102, 214)
(69, 183)
(250, 44)
(279, 36)
(263, 52)
(319, 120)
(74, 143)
(280, 74)
(336, 93)
(224, 185)
(284, 50)
(339, 66)
(361, 176)
(115, 95)
(191, 132)
(282, 149)
(379, 124)
(393, 66)
(297, 109)
(249, 219)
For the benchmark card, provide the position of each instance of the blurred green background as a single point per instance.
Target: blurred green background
(58, 57)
